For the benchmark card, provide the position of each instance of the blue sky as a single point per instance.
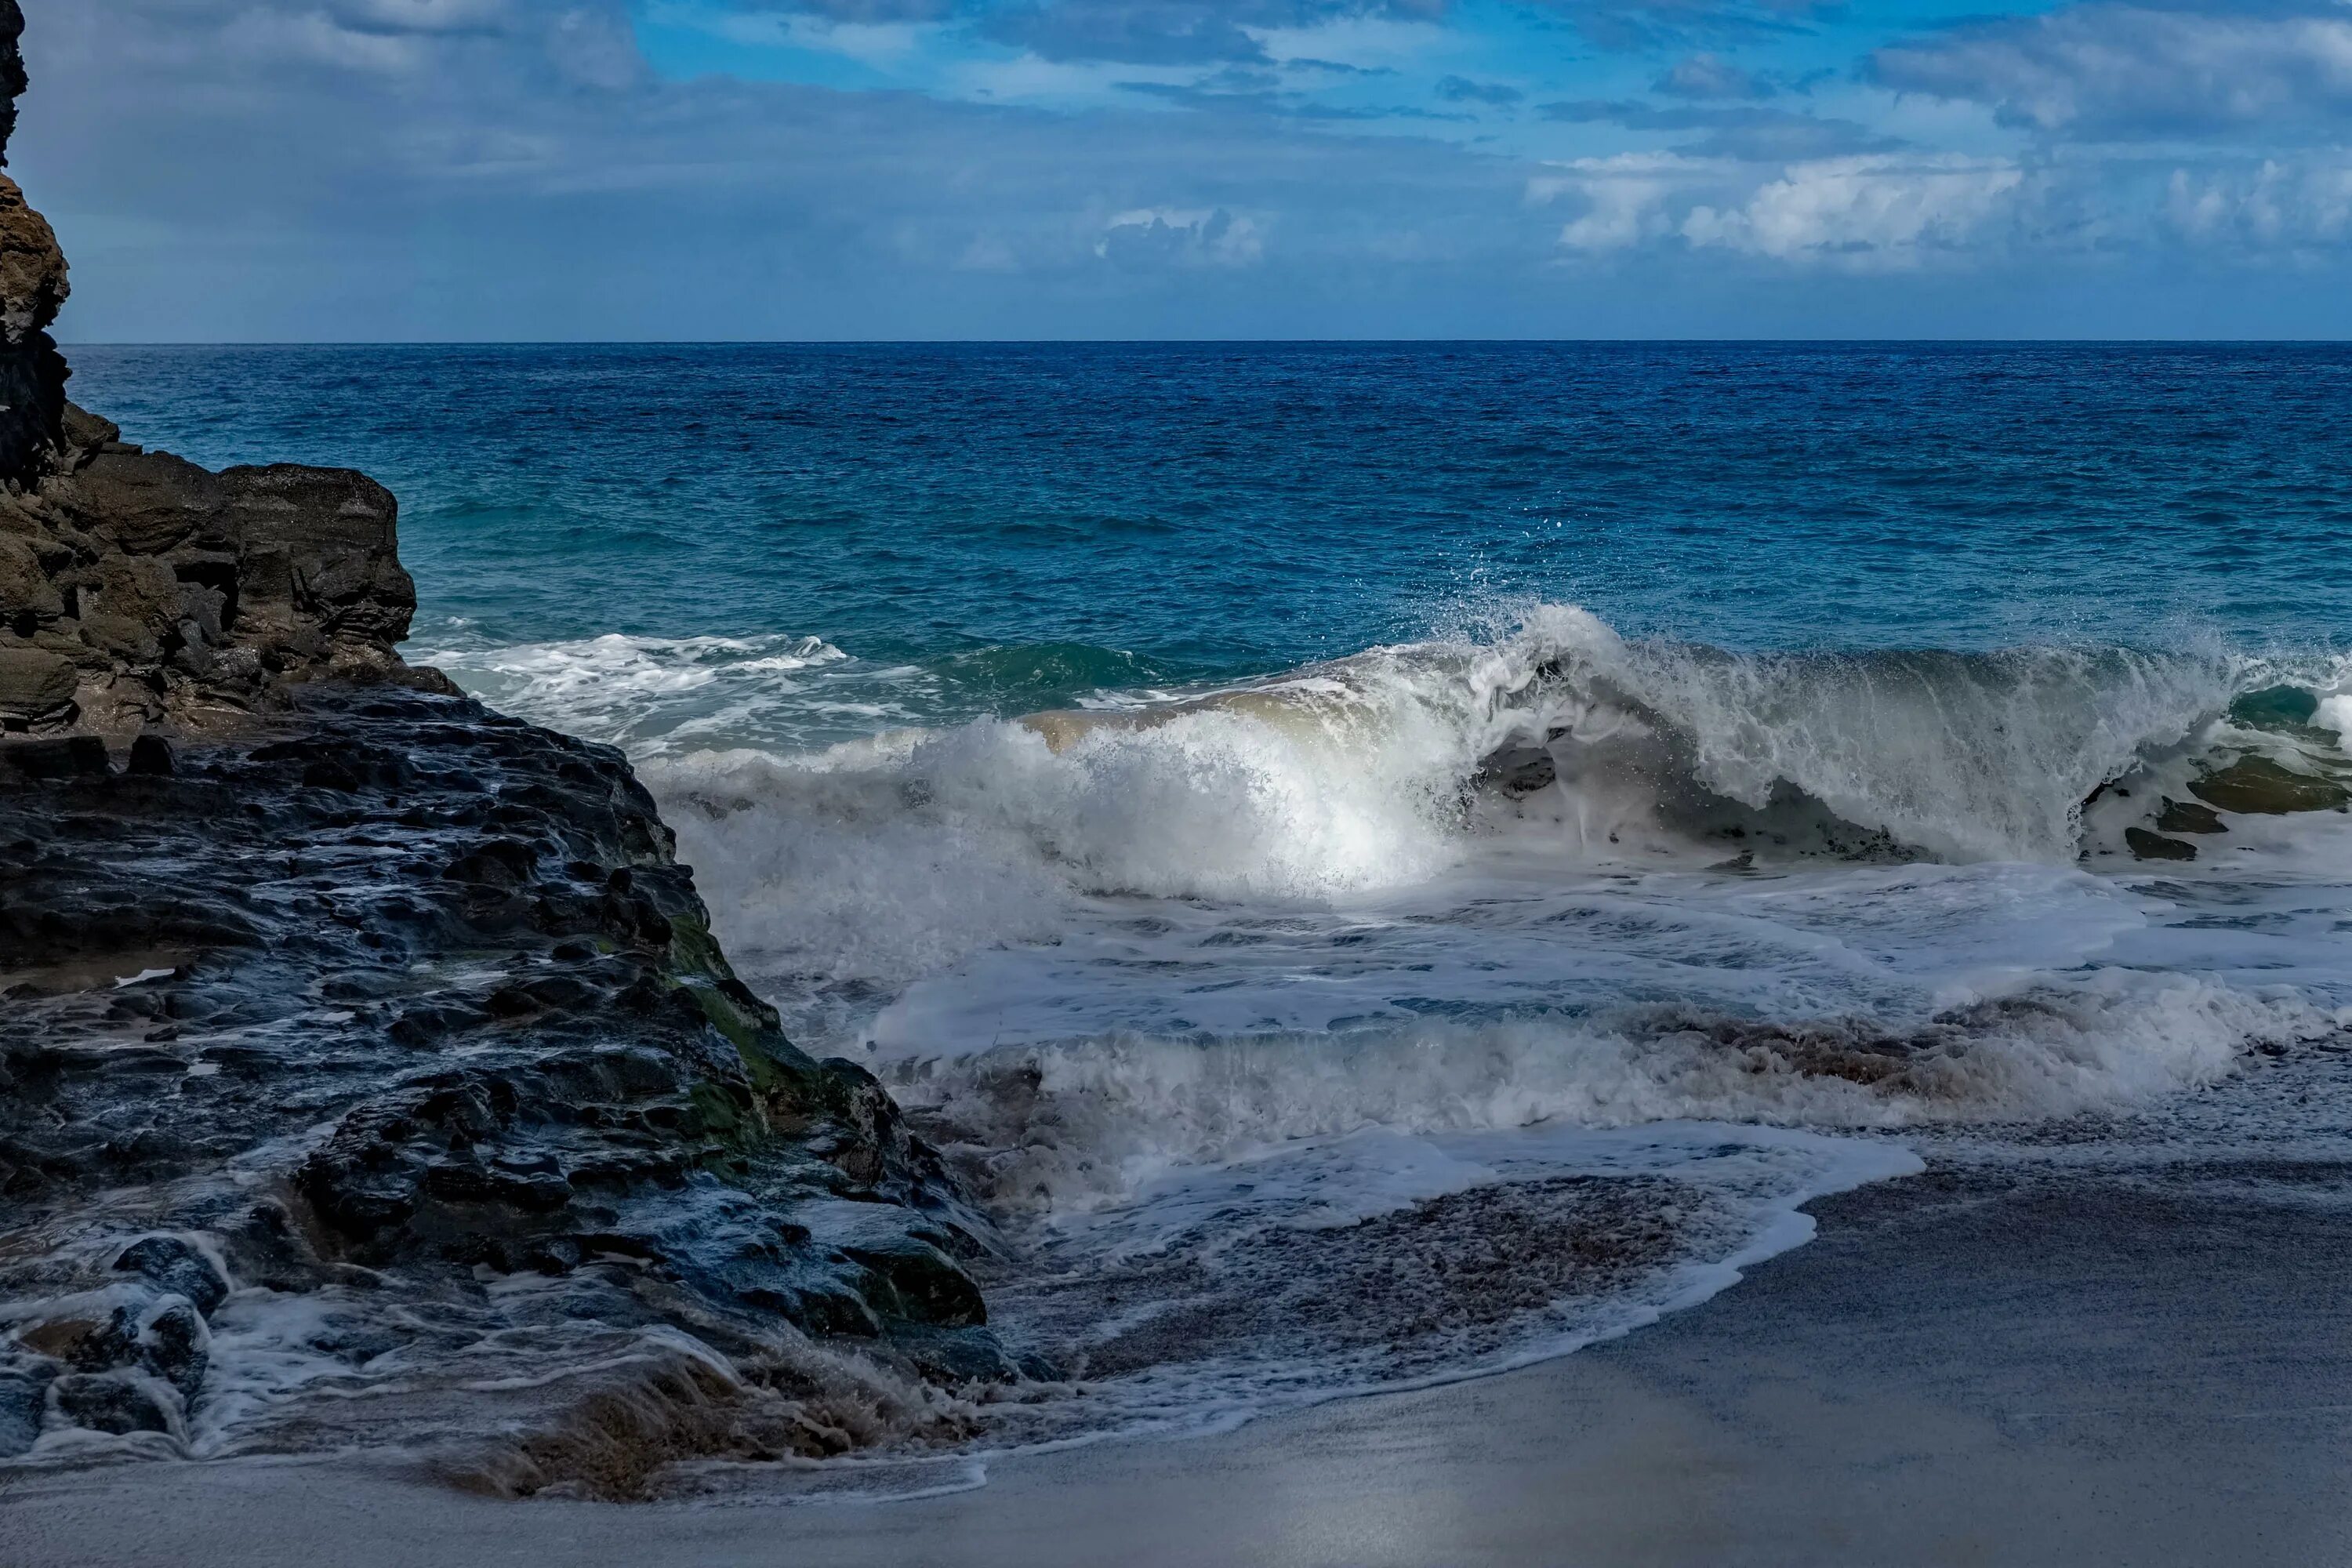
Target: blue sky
(748, 169)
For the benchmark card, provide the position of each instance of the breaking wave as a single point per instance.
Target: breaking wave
(1218, 994)
(1562, 742)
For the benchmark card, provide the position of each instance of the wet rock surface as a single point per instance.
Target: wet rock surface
(368, 1073)
(403, 1010)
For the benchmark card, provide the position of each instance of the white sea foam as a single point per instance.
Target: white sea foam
(1452, 916)
(1082, 1122)
(2335, 713)
(646, 692)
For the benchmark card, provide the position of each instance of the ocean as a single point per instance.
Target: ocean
(1378, 863)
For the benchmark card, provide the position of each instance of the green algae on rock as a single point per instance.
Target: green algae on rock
(2259, 787)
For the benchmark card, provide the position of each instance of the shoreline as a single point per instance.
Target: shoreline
(2041, 1362)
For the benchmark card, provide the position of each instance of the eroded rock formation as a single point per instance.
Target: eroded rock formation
(32, 290)
(135, 587)
(322, 984)
(138, 589)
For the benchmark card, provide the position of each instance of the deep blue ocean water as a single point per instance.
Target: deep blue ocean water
(1212, 510)
(1232, 794)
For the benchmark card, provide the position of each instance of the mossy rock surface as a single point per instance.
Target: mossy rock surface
(538, 1061)
(2259, 787)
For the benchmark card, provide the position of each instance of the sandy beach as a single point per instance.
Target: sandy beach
(2126, 1364)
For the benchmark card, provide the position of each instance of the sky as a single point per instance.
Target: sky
(673, 169)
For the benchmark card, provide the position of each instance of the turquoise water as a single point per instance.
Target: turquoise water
(1237, 791)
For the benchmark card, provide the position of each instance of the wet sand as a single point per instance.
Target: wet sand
(2054, 1365)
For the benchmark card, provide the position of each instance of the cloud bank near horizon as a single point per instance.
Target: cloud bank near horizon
(744, 169)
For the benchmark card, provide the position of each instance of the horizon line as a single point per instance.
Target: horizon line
(1187, 343)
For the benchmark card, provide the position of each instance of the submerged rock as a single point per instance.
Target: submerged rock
(1518, 770)
(2258, 786)
(2146, 846)
(120, 1403)
(2188, 817)
(24, 1398)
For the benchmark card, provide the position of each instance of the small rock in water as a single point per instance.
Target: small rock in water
(175, 1345)
(150, 757)
(176, 1265)
(1518, 770)
(57, 757)
(2188, 817)
(2148, 846)
(116, 1402)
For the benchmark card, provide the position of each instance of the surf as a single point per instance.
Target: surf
(1541, 925)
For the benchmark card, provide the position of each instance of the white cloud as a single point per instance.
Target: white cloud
(1626, 197)
(1874, 211)
(2114, 69)
(2272, 207)
(1871, 212)
(1191, 237)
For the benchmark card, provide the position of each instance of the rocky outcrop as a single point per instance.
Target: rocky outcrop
(411, 989)
(32, 290)
(138, 589)
(322, 984)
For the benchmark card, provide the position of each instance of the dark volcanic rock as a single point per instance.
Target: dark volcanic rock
(427, 981)
(352, 995)
(2188, 817)
(2146, 846)
(32, 290)
(175, 1264)
(2258, 786)
(137, 588)
(11, 71)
